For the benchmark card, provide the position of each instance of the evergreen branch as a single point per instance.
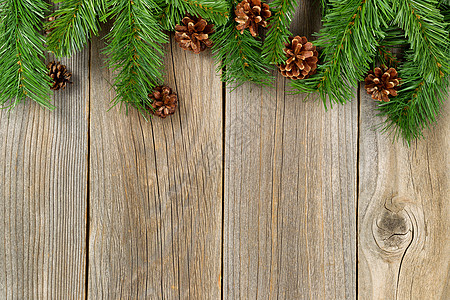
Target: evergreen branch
(349, 40)
(419, 100)
(326, 6)
(425, 29)
(175, 10)
(23, 72)
(390, 49)
(101, 8)
(444, 2)
(314, 84)
(277, 36)
(417, 104)
(135, 51)
(74, 22)
(239, 55)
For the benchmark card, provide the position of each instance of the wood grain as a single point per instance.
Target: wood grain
(404, 212)
(156, 188)
(315, 204)
(290, 192)
(43, 194)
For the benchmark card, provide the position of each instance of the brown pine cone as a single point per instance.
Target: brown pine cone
(194, 34)
(251, 14)
(60, 76)
(164, 102)
(301, 59)
(382, 83)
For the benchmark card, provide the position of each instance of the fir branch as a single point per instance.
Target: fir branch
(277, 36)
(349, 38)
(349, 41)
(101, 8)
(425, 29)
(135, 51)
(444, 2)
(417, 104)
(173, 11)
(74, 22)
(336, 92)
(390, 49)
(239, 56)
(24, 73)
(325, 6)
(419, 100)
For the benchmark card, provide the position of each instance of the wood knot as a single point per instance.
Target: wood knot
(392, 229)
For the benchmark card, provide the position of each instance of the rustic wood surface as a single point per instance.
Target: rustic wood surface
(43, 194)
(290, 192)
(156, 188)
(403, 212)
(248, 193)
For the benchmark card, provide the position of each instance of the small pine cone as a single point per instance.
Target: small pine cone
(382, 83)
(252, 14)
(164, 102)
(194, 34)
(301, 59)
(60, 76)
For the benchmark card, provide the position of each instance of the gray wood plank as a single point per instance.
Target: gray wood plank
(290, 191)
(404, 212)
(156, 188)
(43, 193)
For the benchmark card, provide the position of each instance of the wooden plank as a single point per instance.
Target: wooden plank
(290, 191)
(404, 212)
(43, 194)
(156, 188)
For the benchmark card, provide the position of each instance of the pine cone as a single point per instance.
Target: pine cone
(251, 14)
(381, 83)
(164, 102)
(60, 76)
(302, 58)
(194, 34)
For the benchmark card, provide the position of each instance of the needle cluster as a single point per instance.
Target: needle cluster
(23, 72)
(135, 43)
(278, 34)
(358, 36)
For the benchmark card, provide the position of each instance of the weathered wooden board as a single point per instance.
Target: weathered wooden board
(156, 188)
(43, 194)
(315, 204)
(290, 192)
(403, 212)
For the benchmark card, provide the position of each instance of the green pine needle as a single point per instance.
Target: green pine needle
(24, 74)
(239, 55)
(135, 51)
(75, 21)
(349, 43)
(174, 11)
(423, 89)
(416, 106)
(277, 36)
(426, 31)
(349, 40)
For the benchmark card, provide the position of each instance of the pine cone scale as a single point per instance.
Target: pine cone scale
(305, 68)
(306, 54)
